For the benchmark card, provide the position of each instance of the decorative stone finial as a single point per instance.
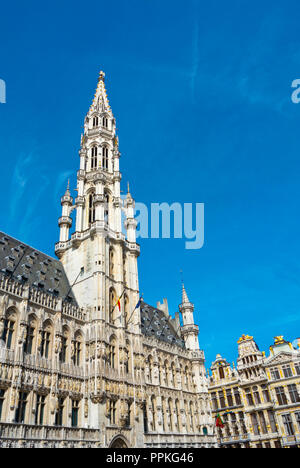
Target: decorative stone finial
(102, 76)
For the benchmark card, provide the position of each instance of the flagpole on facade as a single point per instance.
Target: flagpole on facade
(136, 307)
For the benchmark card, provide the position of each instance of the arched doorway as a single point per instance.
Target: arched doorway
(118, 443)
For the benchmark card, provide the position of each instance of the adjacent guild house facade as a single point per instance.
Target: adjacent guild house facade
(258, 400)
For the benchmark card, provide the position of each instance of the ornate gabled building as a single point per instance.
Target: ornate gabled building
(83, 360)
(259, 401)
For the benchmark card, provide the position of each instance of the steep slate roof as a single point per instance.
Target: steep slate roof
(33, 268)
(154, 323)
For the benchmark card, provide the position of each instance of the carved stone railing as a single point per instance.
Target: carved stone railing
(47, 434)
(70, 369)
(10, 285)
(40, 297)
(37, 361)
(7, 355)
(73, 311)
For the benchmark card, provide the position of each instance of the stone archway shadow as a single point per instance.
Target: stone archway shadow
(119, 442)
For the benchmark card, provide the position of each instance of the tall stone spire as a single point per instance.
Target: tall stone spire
(99, 245)
(185, 298)
(189, 330)
(100, 101)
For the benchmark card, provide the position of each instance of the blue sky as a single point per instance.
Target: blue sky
(202, 96)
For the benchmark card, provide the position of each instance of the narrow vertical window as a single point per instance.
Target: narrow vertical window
(112, 412)
(29, 340)
(281, 396)
(75, 410)
(112, 355)
(106, 206)
(288, 424)
(21, 408)
(94, 158)
(153, 409)
(105, 158)
(60, 412)
(64, 348)
(2, 396)
(39, 409)
(91, 209)
(45, 345)
(255, 424)
(77, 352)
(8, 332)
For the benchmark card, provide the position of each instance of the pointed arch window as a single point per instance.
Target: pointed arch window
(94, 157)
(91, 209)
(95, 121)
(105, 158)
(8, 332)
(105, 122)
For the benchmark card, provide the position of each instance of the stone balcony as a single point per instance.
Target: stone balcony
(290, 440)
(236, 439)
(26, 435)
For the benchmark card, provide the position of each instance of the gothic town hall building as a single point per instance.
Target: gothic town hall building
(83, 361)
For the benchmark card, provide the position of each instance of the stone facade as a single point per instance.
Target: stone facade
(258, 400)
(84, 362)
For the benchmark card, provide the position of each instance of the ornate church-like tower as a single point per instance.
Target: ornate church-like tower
(99, 259)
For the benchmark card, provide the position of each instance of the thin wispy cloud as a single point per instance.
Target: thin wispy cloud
(21, 175)
(29, 182)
